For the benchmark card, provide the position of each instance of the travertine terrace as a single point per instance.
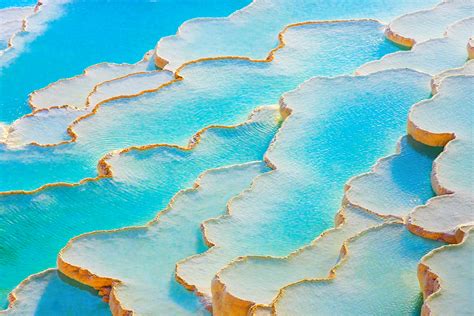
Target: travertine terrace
(423, 25)
(447, 120)
(254, 281)
(296, 157)
(90, 258)
(446, 279)
(432, 56)
(266, 212)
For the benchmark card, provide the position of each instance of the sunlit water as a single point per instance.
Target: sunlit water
(16, 3)
(175, 112)
(34, 227)
(181, 109)
(88, 32)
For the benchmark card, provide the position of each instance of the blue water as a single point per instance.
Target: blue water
(16, 3)
(31, 221)
(51, 293)
(34, 227)
(173, 114)
(90, 32)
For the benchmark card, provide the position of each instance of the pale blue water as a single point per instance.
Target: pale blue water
(90, 32)
(34, 227)
(51, 293)
(378, 279)
(87, 33)
(173, 114)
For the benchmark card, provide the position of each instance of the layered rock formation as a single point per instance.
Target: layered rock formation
(109, 148)
(51, 293)
(446, 278)
(140, 181)
(286, 209)
(447, 120)
(139, 262)
(241, 34)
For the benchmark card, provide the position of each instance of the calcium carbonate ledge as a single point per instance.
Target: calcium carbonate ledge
(470, 48)
(75, 91)
(239, 305)
(466, 69)
(139, 189)
(316, 259)
(397, 183)
(432, 56)
(364, 281)
(202, 37)
(12, 22)
(438, 137)
(211, 200)
(54, 122)
(59, 104)
(32, 25)
(446, 279)
(416, 27)
(104, 169)
(49, 292)
(443, 218)
(292, 65)
(446, 120)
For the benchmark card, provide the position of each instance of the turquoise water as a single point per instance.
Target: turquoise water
(338, 128)
(16, 3)
(51, 293)
(400, 183)
(181, 109)
(35, 227)
(89, 32)
(367, 283)
(174, 113)
(149, 286)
